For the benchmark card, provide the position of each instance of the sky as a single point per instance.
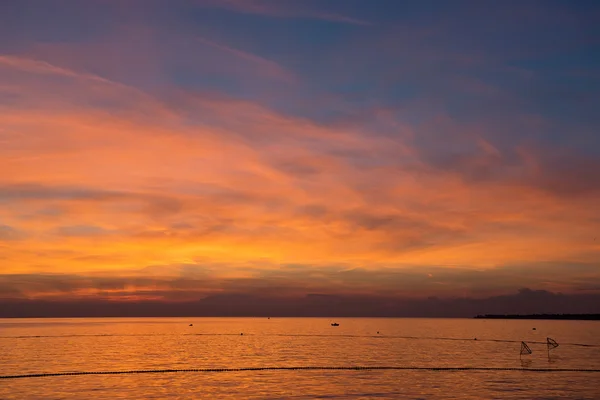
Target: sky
(173, 151)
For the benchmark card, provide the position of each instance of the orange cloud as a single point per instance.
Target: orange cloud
(105, 178)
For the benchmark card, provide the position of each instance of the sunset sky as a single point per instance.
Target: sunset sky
(172, 150)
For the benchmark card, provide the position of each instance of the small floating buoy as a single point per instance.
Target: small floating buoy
(475, 339)
(242, 334)
(191, 324)
(533, 329)
(378, 332)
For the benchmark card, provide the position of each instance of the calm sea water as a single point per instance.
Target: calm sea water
(111, 344)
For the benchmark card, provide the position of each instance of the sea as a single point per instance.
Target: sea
(228, 358)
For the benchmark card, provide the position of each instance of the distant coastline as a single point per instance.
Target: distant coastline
(572, 317)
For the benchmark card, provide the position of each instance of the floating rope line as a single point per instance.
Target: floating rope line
(301, 335)
(298, 368)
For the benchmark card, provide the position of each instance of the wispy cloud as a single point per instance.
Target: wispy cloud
(268, 66)
(280, 9)
(42, 67)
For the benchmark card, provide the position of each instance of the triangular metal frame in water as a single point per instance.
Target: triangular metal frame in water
(524, 349)
(551, 343)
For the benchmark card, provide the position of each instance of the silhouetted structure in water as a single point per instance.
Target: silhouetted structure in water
(524, 349)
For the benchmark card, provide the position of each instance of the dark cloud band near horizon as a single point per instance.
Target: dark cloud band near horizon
(524, 302)
(406, 149)
(191, 282)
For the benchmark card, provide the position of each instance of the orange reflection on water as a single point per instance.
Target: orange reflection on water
(109, 344)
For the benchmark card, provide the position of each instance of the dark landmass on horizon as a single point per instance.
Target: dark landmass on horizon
(572, 317)
(525, 302)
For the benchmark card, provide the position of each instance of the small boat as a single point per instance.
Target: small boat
(191, 324)
(335, 324)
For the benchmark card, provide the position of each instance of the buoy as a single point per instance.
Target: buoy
(191, 324)
(378, 332)
(242, 334)
(533, 329)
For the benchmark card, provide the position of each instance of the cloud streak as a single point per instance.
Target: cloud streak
(42, 67)
(270, 67)
(280, 9)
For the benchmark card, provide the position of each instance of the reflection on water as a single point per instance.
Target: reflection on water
(59, 345)
(526, 363)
